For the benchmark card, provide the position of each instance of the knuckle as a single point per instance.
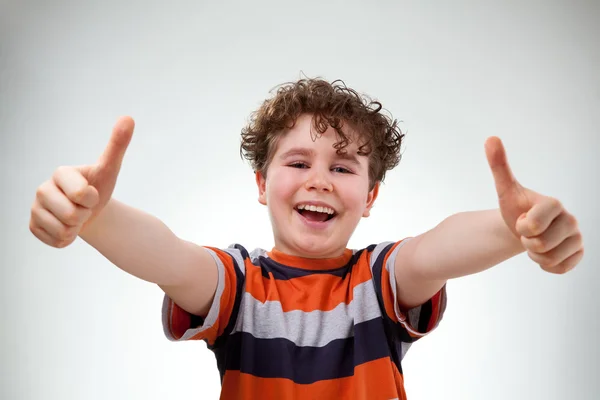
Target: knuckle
(572, 221)
(535, 257)
(534, 226)
(540, 245)
(65, 235)
(555, 271)
(58, 173)
(545, 266)
(561, 269)
(62, 235)
(33, 214)
(554, 202)
(61, 170)
(71, 217)
(36, 225)
(33, 228)
(73, 232)
(546, 262)
(578, 239)
(78, 194)
(61, 244)
(550, 268)
(41, 190)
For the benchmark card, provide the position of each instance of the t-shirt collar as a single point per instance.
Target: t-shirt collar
(310, 263)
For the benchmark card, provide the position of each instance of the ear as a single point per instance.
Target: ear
(371, 200)
(261, 182)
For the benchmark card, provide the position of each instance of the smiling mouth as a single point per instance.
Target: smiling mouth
(316, 216)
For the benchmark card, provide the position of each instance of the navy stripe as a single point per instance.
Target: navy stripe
(395, 333)
(425, 315)
(367, 347)
(269, 268)
(220, 346)
(281, 358)
(196, 321)
(242, 250)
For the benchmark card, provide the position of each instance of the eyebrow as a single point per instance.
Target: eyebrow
(305, 152)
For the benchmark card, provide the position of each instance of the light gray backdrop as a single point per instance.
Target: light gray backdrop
(73, 326)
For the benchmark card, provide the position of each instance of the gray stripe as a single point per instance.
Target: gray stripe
(237, 256)
(213, 313)
(315, 328)
(413, 316)
(404, 349)
(257, 253)
(376, 252)
(166, 321)
(390, 267)
(411, 320)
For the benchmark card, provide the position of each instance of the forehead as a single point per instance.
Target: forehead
(305, 135)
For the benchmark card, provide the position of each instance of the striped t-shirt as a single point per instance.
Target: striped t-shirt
(285, 327)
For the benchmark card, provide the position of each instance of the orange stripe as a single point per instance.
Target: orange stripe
(179, 320)
(399, 379)
(307, 293)
(378, 379)
(311, 263)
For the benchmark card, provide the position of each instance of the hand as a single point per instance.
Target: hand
(68, 202)
(547, 231)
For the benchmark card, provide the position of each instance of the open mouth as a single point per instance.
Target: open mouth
(316, 214)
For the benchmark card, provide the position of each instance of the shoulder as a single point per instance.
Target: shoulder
(239, 253)
(380, 253)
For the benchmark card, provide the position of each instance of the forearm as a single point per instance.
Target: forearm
(136, 242)
(464, 244)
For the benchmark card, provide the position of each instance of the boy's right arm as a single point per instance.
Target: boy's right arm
(145, 247)
(77, 201)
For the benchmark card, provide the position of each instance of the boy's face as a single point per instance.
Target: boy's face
(304, 173)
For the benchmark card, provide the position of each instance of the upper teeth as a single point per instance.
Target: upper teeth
(315, 208)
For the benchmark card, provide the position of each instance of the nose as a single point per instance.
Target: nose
(319, 181)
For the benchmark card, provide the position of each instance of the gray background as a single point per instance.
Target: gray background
(75, 327)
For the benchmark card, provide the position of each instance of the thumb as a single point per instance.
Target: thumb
(496, 156)
(113, 154)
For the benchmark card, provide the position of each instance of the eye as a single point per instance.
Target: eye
(341, 170)
(298, 165)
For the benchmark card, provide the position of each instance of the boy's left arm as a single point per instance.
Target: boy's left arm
(471, 242)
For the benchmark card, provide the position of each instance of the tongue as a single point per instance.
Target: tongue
(315, 216)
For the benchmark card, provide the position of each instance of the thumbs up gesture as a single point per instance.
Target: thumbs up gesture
(549, 234)
(66, 203)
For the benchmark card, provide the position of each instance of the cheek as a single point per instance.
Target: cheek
(280, 189)
(355, 198)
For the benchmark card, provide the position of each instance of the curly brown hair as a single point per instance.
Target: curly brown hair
(331, 105)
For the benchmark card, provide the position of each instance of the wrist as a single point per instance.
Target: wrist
(504, 233)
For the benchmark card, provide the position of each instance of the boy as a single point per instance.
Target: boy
(310, 318)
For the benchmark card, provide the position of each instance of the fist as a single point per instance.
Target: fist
(62, 205)
(547, 231)
(69, 201)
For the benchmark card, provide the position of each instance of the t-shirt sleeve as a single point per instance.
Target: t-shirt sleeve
(180, 325)
(414, 323)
